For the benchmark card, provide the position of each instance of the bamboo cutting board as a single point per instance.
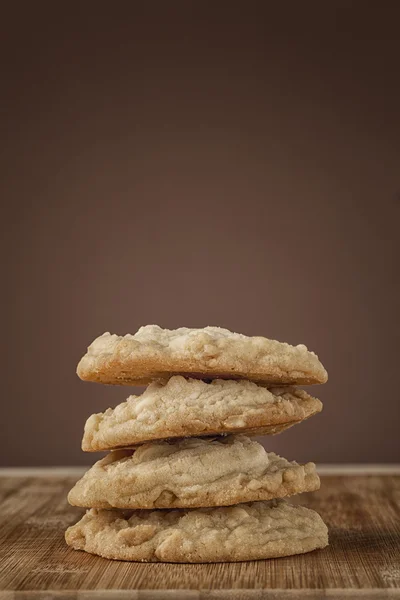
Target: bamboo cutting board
(363, 559)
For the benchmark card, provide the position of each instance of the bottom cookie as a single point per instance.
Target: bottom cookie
(251, 531)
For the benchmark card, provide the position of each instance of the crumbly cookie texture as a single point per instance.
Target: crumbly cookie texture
(244, 532)
(153, 353)
(191, 473)
(191, 407)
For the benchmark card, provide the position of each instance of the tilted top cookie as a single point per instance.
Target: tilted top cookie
(190, 473)
(191, 407)
(153, 353)
(243, 532)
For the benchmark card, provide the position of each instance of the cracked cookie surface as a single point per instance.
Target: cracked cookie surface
(191, 473)
(191, 407)
(153, 353)
(243, 532)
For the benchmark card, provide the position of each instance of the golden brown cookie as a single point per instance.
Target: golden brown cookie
(191, 407)
(192, 472)
(243, 532)
(156, 354)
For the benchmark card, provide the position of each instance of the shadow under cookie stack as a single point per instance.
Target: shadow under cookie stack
(184, 481)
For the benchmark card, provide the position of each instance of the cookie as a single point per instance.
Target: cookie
(154, 353)
(244, 532)
(191, 407)
(192, 472)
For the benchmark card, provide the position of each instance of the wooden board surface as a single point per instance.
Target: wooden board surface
(363, 559)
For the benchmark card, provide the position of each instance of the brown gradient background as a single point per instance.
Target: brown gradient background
(200, 163)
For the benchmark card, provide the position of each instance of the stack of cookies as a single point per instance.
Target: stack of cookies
(184, 481)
